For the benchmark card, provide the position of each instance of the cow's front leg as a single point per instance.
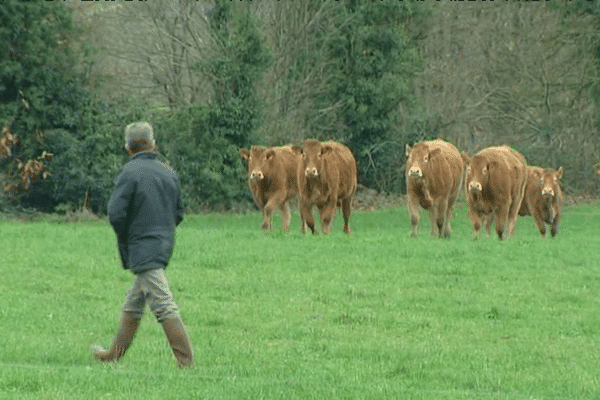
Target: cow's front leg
(286, 215)
(477, 222)
(441, 221)
(307, 217)
(413, 211)
(502, 221)
(555, 222)
(326, 211)
(346, 209)
(539, 220)
(274, 201)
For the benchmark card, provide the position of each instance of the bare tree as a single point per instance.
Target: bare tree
(298, 33)
(153, 47)
(493, 72)
(513, 73)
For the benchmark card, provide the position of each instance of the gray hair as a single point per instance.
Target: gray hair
(139, 136)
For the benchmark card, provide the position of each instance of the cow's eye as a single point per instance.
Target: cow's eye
(426, 158)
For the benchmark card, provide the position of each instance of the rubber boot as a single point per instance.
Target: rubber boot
(121, 342)
(179, 341)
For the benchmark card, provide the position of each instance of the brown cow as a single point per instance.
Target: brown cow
(434, 174)
(272, 177)
(543, 197)
(326, 178)
(495, 184)
(597, 168)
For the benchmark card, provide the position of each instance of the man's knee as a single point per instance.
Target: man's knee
(134, 314)
(166, 311)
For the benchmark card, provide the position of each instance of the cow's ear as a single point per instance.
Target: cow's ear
(270, 154)
(326, 149)
(559, 173)
(434, 152)
(409, 150)
(297, 149)
(245, 153)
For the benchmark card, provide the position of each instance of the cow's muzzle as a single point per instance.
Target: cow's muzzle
(258, 175)
(475, 187)
(547, 193)
(415, 173)
(311, 173)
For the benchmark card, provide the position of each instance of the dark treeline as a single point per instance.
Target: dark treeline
(215, 76)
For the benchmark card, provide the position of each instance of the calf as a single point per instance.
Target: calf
(543, 198)
(272, 177)
(495, 184)
(434, 176)
(326, 178)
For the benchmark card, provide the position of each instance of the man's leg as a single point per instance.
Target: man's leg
(163, 306)
(133, 310)
(179, 341)
(128, 325)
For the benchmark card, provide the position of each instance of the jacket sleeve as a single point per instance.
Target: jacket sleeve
(118, 212)
(179, 211)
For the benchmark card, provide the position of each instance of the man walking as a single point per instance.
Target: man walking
(144, 210)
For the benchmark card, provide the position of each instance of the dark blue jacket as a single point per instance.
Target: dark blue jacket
(144, 209)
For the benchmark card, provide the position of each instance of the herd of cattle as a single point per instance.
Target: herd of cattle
(499, 185)
(318, 174)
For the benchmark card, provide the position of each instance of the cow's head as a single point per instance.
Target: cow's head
(418, 159)
(312, 157)
(259, 160)
(550, 181)
(478, 174)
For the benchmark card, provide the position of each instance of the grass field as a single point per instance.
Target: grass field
(373, 315)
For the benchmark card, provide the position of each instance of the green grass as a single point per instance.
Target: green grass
(372, 315)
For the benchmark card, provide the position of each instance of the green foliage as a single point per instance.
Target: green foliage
(54, 112)
(239, 63)
(40, 92)
(207, 161)
(33, 34)
(82, 173)
(37, 84)
(86, 161)
(203, 146)
(373, 63)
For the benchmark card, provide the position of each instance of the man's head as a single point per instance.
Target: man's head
(139, 136)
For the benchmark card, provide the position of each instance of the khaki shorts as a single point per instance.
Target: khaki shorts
(151, 287)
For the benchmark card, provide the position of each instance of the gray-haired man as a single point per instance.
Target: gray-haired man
(144, 209)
